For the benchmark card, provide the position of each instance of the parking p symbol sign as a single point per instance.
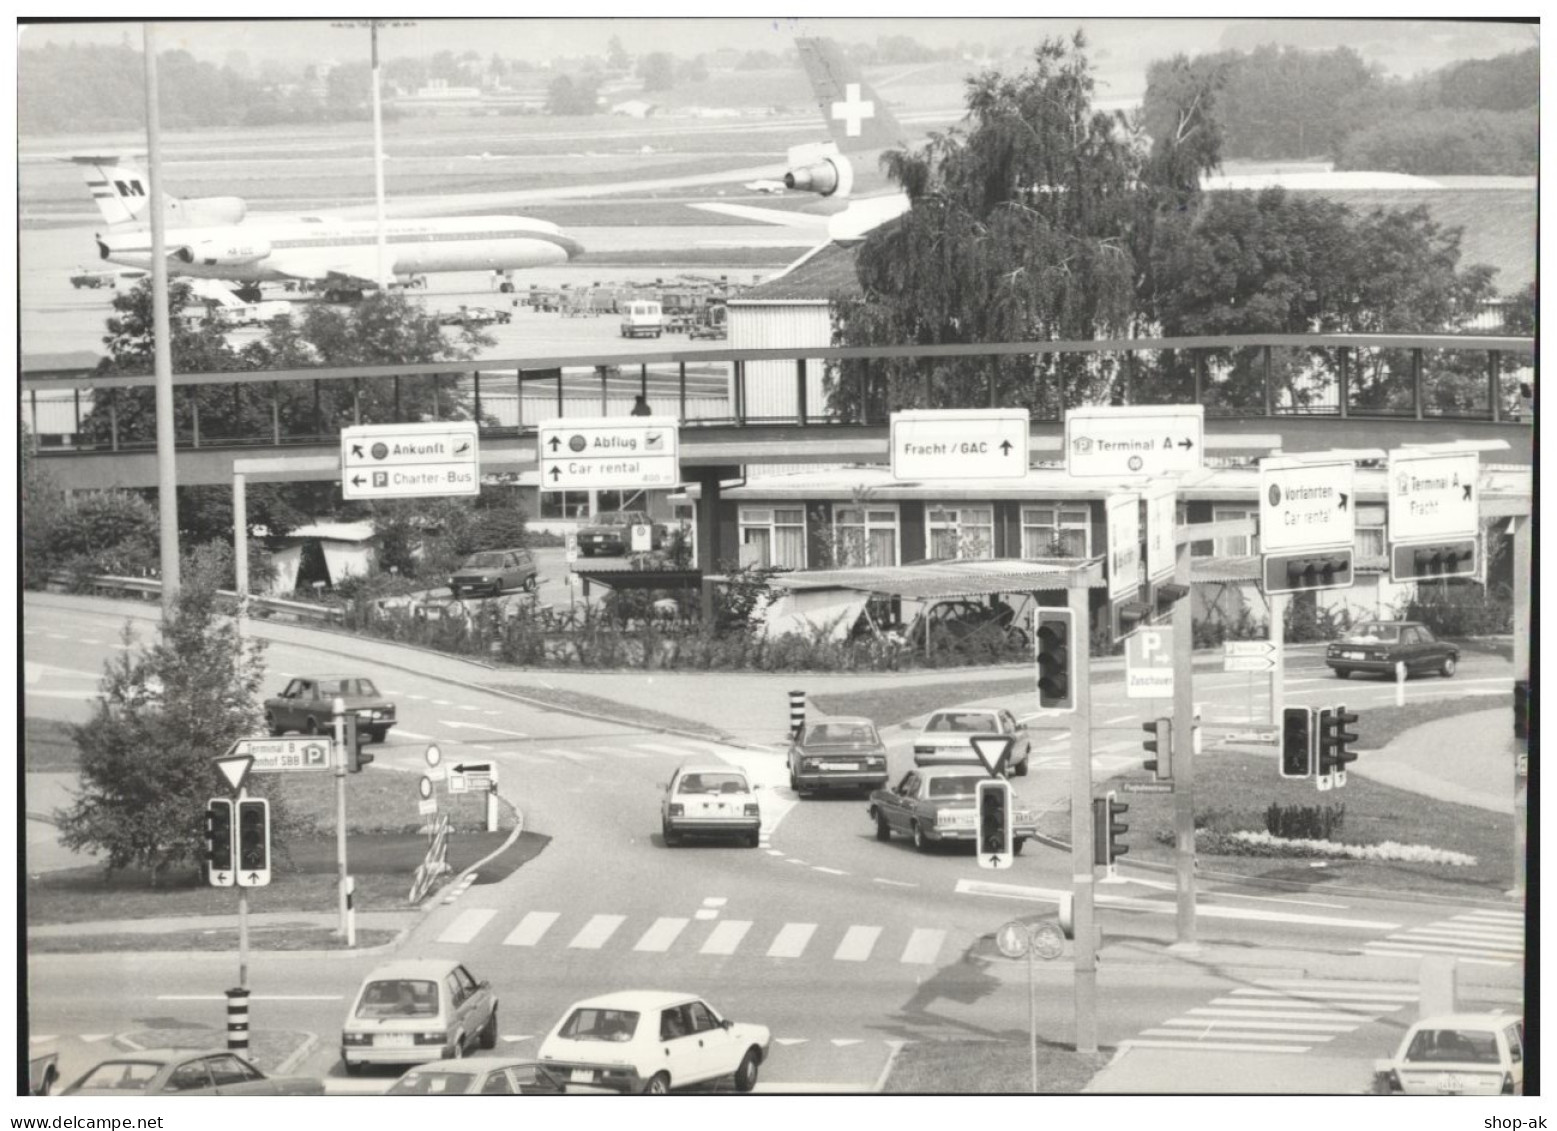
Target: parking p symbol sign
(1149, 663)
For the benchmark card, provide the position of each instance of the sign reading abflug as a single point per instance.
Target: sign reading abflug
(1305, 506)
(988, 443)
(610, 453)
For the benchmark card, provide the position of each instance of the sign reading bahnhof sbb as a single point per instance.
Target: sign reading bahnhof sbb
(973, 443)
(404, 461)
(614, 453)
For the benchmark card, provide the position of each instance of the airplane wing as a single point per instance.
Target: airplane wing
(809, 221)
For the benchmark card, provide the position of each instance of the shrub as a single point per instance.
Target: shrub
(1307, 622)
(1304, 822)
(1460, 610)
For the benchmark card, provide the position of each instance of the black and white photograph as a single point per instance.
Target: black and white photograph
(937, 559)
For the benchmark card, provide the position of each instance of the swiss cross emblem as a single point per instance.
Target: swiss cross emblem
(852, 111)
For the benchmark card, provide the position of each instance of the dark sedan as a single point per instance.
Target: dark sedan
(1379, 647)
(838, 753)
(187, 1072)
(306, 706)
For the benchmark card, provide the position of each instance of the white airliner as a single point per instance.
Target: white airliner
(210, 238)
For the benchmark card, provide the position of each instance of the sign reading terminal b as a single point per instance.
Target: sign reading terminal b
(612, 453)
(403, 461)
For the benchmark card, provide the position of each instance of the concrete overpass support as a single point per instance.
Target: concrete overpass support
(709, 550)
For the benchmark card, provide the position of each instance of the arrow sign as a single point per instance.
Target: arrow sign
(235, 768)
(357, 481)
(473, 768)
(1122, 442)
(967, 443)
(1342, 503)
(556, 474)
(1005, 447)
(554, 443)
(993, 750)
(356, 450)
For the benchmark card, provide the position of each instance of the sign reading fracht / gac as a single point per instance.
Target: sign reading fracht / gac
(1305, 506)
(971, 443)
(609, 452)
(403, 461)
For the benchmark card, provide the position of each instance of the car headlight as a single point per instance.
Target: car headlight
(675, 809)
(752, 810)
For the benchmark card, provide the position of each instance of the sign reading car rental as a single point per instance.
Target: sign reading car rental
(1432, 495)
(1119, 442)
(614, 453)
(1305, 506)
(971, 443)
(404, 461)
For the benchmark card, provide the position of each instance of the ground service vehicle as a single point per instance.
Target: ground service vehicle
(837, 753)
(937, 804)
(187, 1072)
(416, 1010)
(1378, 646)
(642, 319)
(710, 799)
(1457, 1054)
(307, 706)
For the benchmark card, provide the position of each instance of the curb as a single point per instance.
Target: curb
(286, 1066)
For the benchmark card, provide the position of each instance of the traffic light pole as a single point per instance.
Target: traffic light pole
(243, 909)
(1278, 643)
(338, 710)
(1184, 753)
(1522, 672)
(1081, 824)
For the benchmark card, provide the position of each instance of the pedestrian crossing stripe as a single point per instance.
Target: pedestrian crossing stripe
(857, 944)
(659, 937)
(596, 932)
(791, 940)
(1212, 1046)
(1276, 1015)
(467, 925)
(531, 928)
(726, 937)
(1242, 1036)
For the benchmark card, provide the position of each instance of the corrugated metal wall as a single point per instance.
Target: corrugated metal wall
(770, 385)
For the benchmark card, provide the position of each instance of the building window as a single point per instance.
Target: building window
(1370, 532)
(1055, 531)
(865, 536)
(961, 532)
(607, 501)
(779, 532)
(564, 504)
(1240, 545)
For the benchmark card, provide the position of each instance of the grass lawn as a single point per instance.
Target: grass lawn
(377, 801)
(1380, 725)
(223, 939)
(941, 1067)
(47, 747)
(886, 706)
(595, 704)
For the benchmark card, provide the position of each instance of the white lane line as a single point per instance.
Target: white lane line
(1341, 1022)
(894, 883)
(1380, 996)
(1420, 950)
(791, 940)
(1480, 942)
(443, 702)
(715, 900)
(1162, 885)
(661, 934)
(465, 707)
(1115, 719)
(661, 748)
(1314, 1006)
(1243, 1036)
(457, 725)
(857, 944)
(415, 696)
(1506, 916)
(923, 945)
(725, 937)
(596, 932)
(393, 692)
(252, 997)
(467, 925)
(531, 928)
(1210, 1046)
(829, 871)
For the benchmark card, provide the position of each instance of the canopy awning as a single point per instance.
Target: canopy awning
(938, 580)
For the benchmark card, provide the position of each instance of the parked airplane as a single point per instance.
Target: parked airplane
(208, 239)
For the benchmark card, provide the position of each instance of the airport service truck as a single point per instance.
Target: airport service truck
(642, 319)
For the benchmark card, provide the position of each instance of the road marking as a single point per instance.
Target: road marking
(844, 1042)
(515, 1038)
(787, 1041)
(705, 913)
(443, 702)
(1161, 885)
(401, 732)
(802, 863)
(660, 748)
(1210, 1046)
(465, 707)
(829, 871)
(531, 928)
(456, 725)
(596, 932)
(571, 756)
(791, 940)
(715, 900)
(661, 934)
(1419, 950)
(252, 997)
(894, 883)
(1285, 1026)
(923, 945)
(774, 852)
(1313, 1005)
(724, 938)
(1241, 1036)
(1115, 719)
(1343, 1022)
(413, 696)
(1507, 944)
(467, 925)
(389, 691)
(1342, 993)
(1508, 916)
(48, 1036)
(857, 944)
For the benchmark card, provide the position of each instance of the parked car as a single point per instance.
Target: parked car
(709, 799)
(477, 1076)
(415, 1010)
(652, 1041)
(1457, 1054)
(612, 533)
(935, 804)
(1378, 646)
(837, 753)
(187, 1072)
(93, 279)
(474, 316)
(306, 706)
(945, 737)
(490, 572)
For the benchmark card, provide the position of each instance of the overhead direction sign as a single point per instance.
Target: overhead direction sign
(403, 461)
(1149, 663)
(1162, 508)
(972, 443)
(1106, 441)
(1306, 506)
(1432, 495)
(283, 755)
(1124, 545)
(615, 453)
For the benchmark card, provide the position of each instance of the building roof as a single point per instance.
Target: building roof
(819, 275)
(334, 531)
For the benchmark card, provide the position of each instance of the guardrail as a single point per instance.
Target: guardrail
(268, 606)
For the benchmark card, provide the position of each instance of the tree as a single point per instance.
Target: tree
(103, 532)
(617, 58)
(42, 502)
(693, 70)
(569, 96)
(657, 71)
(162, 712)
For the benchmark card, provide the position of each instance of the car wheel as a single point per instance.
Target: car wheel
(312, 726)
(271, 725)
(489, 1031)
(1017, 844)
(883, 829)
(1342, 673)
(921, 842)
(1448, 667)
(658, 1085)
(672, 838)
(754, 838)
(746, 1074)
(1021, 767)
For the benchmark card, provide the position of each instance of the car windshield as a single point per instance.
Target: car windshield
(399, 997)
(432, 1083)
(1474, 1046)
(329, 688)
(712, 783)
(1373, 634)
(962, 722)
(490, 560)
(839, 734)
(121, 1075)
(954, 787)
(600, 1025)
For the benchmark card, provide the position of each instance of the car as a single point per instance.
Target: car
(306, 706)
(490, 572)
(474, 316)
(612, 533)
(651, 1042)
(415, 1010)
(709, 799)
(935, 805)
(187, 1072)
(945, 737)
(1457, 1054)
(1379, 646)
(837, 753)
(477, 1076)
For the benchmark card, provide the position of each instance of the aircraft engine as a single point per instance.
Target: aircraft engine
(822, 178)
(224, 253)
(208, 211)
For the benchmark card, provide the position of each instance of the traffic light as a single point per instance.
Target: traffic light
(1427, 563)
(356, 738)
(1334, 740)
(1056, 659)
(1160, 744)
(993, 798)
(1297, 742)
(1126, 616)
(218, 841)
(1107, 829)
(253, 842)
(1166, 594)
(1307, 572)
(1522, 705)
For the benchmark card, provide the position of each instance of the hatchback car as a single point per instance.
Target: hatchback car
(837, 753)
(945, 737)
(710, 799)
(492, 572)
(1457, 1054)
(306, 706)
(413, 1011)
(935, 805)
(653, 1042)
(187, 1072)
(1380, 646)
(477, 1076)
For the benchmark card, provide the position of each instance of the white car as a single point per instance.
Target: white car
(945, 738)
(1457, 1054)
(710, 799)
(651, 1041)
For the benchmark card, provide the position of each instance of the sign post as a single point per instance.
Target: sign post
(404, 461)
(1149, 655)
(592, 453)
(1081, 831)
(1124, 557)
(1434, 514)
(1044, 941)
(969, 443)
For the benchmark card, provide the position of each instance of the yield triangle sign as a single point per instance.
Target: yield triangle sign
(235, 768)
(993, 749)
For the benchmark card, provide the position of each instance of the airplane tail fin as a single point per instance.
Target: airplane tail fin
(121, 192)
(857, 117)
